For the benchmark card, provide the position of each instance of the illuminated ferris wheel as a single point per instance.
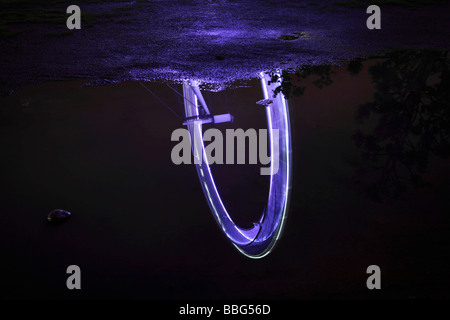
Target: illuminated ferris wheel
(259, 240)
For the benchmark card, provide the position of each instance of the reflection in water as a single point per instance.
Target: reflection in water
(411, 107)
(292, 87)
(109, 147)
(259, 240)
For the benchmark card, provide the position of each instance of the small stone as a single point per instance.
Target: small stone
(58, 216)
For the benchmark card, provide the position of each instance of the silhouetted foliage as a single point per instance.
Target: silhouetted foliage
(411, 107)
(411, 112)
(355, 66)
(288, 88)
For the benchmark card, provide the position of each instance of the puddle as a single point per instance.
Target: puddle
(86, 124)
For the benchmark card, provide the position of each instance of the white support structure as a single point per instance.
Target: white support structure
(220, 118)
(199, 95)
(192, 96)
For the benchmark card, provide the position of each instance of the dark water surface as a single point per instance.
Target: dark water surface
(371, 184)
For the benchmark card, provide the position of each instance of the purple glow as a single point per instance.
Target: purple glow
(258, 241)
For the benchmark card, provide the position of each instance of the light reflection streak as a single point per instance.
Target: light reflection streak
(258, 241)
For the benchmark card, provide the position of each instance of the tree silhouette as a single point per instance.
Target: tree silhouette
(411, 107)
(289, 88)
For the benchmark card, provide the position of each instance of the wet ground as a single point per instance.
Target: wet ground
(215, 41)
